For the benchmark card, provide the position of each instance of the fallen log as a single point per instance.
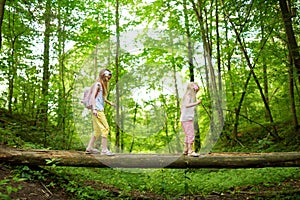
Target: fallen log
(211, 160)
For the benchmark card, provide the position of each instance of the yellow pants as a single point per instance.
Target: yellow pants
(100, 125)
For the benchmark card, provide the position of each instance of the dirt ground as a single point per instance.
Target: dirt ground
(29, 190)
(40, 190)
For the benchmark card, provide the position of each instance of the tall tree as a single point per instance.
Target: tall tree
(2, 9)
(294, 56)
(292, 93)
(12, 60)
(117, 64)
(46, 66)
(191, 69)
(291, 39)
(217, 118)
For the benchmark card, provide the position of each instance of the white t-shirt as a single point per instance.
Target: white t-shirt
(187, 114)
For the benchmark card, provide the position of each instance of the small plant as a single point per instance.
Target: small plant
(53, 162)
(2, 195)
(5, 183)
(30, 174)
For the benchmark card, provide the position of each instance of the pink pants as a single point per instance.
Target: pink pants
(188, 128)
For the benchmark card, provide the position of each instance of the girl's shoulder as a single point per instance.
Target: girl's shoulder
(99, 85)
(186, 100)
(96, 86)
(187, 97)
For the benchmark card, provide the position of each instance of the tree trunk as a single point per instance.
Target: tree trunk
(46, 74)
(12, 72)
(232, 85)
(197, 142)
(218, 49)
(189, 43)
(213, 160)
(218, 121)
(117, 63)
(292, 94)
(238, 108)
(291, 43)
(134, 122)
(175, 123)
(61, 113)
(265, 71)
(2, 10)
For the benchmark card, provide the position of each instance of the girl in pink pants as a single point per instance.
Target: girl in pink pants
(187, 111)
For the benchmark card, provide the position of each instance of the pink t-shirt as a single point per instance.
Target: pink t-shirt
(187, 114)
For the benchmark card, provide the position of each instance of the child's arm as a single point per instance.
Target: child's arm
(110, 103)
(193, 104)
(94, 93)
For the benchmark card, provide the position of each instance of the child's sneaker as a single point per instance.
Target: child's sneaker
(92, 151)
(107, 153)
(193, 154)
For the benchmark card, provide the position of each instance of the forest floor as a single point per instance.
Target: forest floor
(40, 190)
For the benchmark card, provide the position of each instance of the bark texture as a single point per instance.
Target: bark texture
(212, 160)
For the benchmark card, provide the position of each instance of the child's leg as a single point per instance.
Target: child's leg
(189, 137)
(105, 150)
(188, 128)
(96, 134)
(191, 152)
(90, 148)
(104, 144)
(185, 151)
(104, 127)
(91, 143)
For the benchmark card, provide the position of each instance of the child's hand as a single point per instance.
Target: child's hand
(95, 113)
(110, 103)
(199, 101)
(113, 104)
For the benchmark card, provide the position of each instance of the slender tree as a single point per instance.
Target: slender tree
(117, 64)
(62, 89)
(46, 66)
(292, 93)
(218, 121)
(191, 70)
(294, 56)
(12, 63)
(2, 9)
(290, 34)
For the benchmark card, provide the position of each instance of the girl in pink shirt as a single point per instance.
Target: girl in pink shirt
(187, 112)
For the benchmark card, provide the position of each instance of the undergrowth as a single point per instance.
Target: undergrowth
(188, 182)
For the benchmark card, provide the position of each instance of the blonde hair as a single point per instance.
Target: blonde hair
(190, 91)
(103, 81)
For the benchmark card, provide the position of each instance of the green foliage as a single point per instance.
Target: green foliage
(168, 182)
(2, 195)
(85, 192)
(6, 189)
(30, 173)
(21, 132)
